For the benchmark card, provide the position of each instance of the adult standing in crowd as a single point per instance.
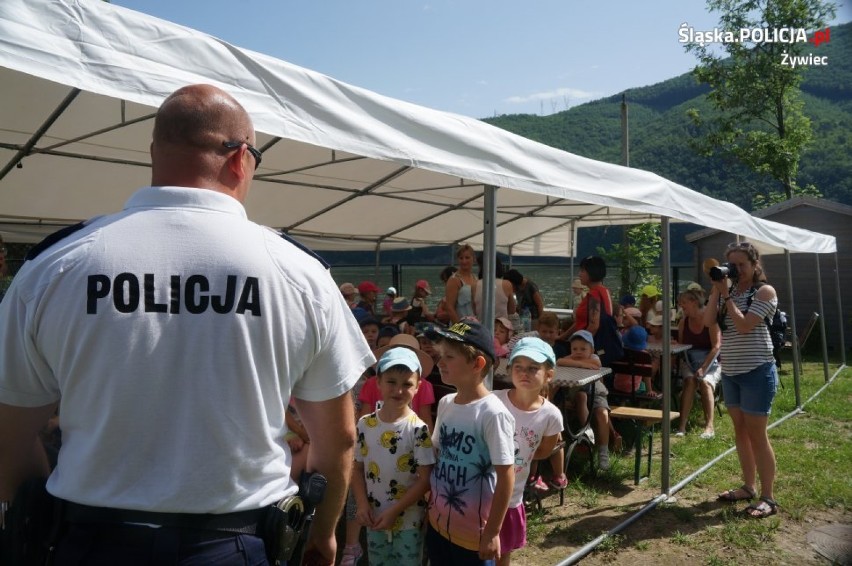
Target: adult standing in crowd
(441, 313)
(700, 366)
(528, 295)
(459, 290)
(741, 302)
(173, 364)
(587, 316)
(504, 296)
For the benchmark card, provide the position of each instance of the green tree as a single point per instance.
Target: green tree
(637, 256)
(755, 92)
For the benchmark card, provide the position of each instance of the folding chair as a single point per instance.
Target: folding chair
(636, 364)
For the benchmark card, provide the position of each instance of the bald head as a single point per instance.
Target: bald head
(189, 129)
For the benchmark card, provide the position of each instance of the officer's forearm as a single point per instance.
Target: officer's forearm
(19, 427)
(331, 427)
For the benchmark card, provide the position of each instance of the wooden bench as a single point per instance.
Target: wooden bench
(644, 421)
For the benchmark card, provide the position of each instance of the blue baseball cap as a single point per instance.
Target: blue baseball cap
(535, 349)
(399, 357)
(636, 338)
(583, 335)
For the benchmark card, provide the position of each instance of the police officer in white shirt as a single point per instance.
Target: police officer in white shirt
(171, 336)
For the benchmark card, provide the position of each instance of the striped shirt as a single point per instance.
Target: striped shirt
(742, 353)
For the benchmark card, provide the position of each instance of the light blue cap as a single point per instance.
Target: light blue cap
(399, 357)
(583, 335)
(535, 349)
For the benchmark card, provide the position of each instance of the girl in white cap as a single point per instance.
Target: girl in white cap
(538, 423)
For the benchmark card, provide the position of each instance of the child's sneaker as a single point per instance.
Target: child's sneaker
(539, 485)
(351, 555)
(560, 482)
(603, 458)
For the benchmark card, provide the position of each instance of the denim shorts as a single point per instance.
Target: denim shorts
(753, 391)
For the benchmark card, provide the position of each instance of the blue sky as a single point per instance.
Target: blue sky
(472, 57)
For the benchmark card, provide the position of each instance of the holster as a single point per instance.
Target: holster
(285, 523)
(282, 528)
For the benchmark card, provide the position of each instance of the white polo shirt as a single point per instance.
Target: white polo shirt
(173, 334)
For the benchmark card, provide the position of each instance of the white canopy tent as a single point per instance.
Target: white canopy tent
(343, 167)
(81, 80)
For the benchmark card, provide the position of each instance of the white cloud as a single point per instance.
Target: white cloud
(572, 94)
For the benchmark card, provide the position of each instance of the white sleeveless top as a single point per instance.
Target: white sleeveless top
(501, 300)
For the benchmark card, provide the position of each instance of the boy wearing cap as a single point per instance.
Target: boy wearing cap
(583, 356)
(537, 426)
(474, 434)
(393, 464)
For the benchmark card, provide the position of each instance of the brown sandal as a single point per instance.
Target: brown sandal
(765, 507)
(731, 495)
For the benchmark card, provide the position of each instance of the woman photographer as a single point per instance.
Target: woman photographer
(740, 300)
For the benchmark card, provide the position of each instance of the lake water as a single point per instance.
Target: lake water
(554, 281)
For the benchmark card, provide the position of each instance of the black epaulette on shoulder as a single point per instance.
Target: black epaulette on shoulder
(305, 249)
(52, 239)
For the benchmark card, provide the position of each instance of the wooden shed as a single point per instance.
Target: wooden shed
(819, 215)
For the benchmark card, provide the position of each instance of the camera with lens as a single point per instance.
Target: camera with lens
(720, 272)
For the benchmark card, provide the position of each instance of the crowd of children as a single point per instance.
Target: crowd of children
(454, 488)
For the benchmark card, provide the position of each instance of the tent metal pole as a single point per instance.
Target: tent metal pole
(378, 262)
(821, 319)
(489, 265)
(572, 252)
(840, 321)
(24, 151)
(797, 359)
(666, 366)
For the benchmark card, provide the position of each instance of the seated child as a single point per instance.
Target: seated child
(474, 435)
(503, 330)
(636, 338)
(631, 317)
(298, 440)
(386, 332)
(583, 355)
(537, 426)
(398, 316)
(655, 336)
(393, 464)
(370, 328)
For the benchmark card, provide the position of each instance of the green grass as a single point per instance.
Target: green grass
(813, 451)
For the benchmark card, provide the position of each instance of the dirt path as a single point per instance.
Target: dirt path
(695, 527)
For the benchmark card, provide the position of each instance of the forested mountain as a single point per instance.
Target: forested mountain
(660, 131)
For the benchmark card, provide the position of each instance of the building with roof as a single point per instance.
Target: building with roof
(811, 213)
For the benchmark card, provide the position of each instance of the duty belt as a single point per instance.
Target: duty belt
(245, 522)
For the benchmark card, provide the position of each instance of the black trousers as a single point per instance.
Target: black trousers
(138, 545)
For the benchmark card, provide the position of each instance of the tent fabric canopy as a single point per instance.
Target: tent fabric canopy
(343, 167)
